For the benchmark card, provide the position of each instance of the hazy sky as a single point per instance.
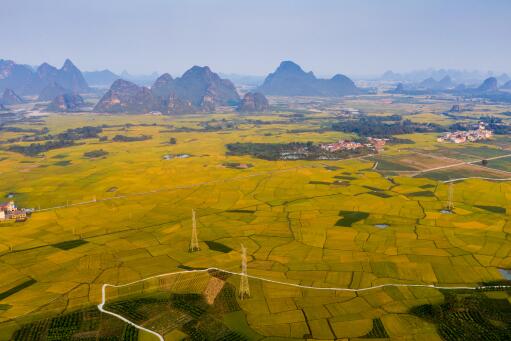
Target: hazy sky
(358, 37)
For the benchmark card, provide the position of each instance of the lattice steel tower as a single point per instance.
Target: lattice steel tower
(450, 199)
(194, 243)
(244, 288)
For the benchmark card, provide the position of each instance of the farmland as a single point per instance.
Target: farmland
(124, 214)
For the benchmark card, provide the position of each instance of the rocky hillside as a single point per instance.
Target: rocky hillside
(15, 76)
(9, 97)
(489, 84)
(66, 103)
(432, 84)
(199, 86)
(25, 81)
(51, 91)
(254, 102)
(198, 90)
(126, 97)
(163, 86)
(290, 80)
(100, 78)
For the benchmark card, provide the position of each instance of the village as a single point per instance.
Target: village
(372, 143)
(9, 212)
(467, 136)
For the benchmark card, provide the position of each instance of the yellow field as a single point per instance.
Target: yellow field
(132, 209)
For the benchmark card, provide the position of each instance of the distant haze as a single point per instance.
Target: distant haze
(361, 37)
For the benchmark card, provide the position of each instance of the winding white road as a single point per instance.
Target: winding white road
(160, 337)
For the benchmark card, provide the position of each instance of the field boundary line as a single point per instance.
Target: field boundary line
(432, 286)
(163, 190)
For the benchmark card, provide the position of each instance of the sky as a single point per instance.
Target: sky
(354, 37)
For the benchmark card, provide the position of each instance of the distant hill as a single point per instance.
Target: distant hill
(254, 102)
(202, 86)
(51, 91)
(15, 76)
(490, 84)
(488, 89)
(417, 76)
(66, 103)
(126, 97)
(100, 78)
(290, 80)
(506, 86)
(432, 84)
(25, 81)
(197, 90)
(163, 86)
(390, 75)
(9, 97)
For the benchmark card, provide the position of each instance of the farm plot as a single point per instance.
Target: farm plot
(462, 172)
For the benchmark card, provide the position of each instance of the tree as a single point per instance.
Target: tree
(173, 140)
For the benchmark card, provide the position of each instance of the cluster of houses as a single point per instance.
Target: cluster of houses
(9, 211)
(372, 143)
(467, 136)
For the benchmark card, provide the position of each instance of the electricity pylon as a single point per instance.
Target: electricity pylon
(244, 288)
(450, 199)
(194, 242)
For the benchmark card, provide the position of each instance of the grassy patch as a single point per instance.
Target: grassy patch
(426, 186)
(422, 194)
(62, 163)
(344, 177)
(241, 211)
(373, 188)
(186, 267)
(95, 153)
(379, 194)
(70, 244)
(350, 217)
(386, 165)
(494, 209)
(60, 156)
(313, 182)
(459, 172)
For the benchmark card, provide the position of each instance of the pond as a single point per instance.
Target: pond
(505, 273)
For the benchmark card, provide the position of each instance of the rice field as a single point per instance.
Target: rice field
(126, 216)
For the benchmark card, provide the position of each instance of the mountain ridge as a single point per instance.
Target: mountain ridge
(289, 79)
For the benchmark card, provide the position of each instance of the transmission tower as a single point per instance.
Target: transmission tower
(450, 199)
(194, 243)
(244, 288)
